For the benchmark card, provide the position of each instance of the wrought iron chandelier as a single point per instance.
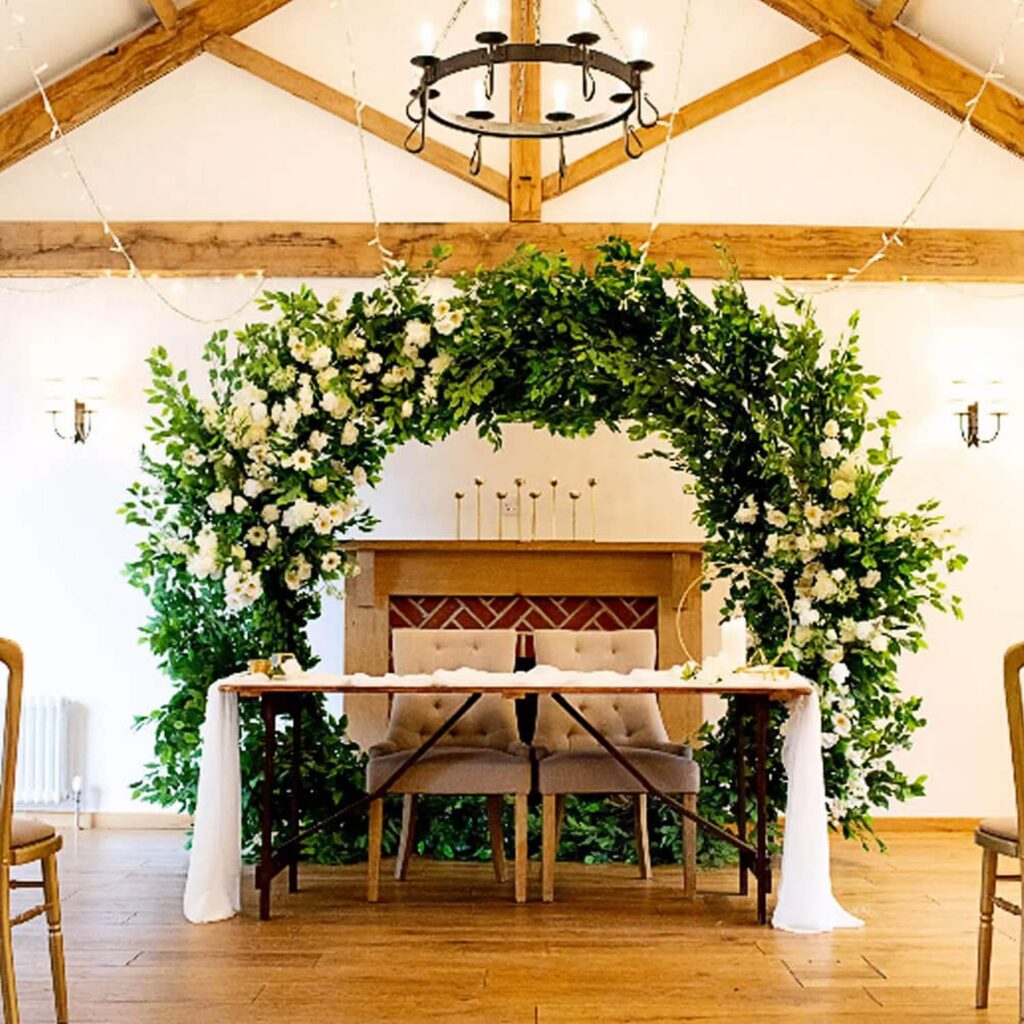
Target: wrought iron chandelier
(630, 105)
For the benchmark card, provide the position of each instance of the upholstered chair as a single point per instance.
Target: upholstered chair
(481, 755)
(25, 841)
(1000, 837)
(570, 760)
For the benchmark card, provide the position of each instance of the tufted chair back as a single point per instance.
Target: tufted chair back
(628, 720)
(491, 722)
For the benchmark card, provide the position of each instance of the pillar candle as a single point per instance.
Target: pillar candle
(734, 642)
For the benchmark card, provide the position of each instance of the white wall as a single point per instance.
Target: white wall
(209, 141)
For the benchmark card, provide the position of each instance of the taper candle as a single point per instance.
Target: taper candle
(534, 495)
(459, 495)
(554, 507)
(574, 496)
(592, 484)
(479, 481)
(501, 496)
(519, 481)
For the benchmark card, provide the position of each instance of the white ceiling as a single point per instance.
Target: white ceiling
(726, 39)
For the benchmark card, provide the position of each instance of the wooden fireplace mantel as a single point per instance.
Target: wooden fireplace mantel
(391, 569)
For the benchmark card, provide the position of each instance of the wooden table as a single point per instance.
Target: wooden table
(753, 695)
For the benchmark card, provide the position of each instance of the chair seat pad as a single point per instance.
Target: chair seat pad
(453, 771)
(595, 771)
(1001, 828)
(25, 831)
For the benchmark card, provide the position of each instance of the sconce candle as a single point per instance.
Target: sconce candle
(79, 399)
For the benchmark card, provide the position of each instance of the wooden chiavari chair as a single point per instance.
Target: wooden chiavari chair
(23, 841)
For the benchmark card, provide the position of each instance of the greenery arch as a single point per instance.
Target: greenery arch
(251, 489)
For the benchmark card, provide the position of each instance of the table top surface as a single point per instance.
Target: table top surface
(777, 685)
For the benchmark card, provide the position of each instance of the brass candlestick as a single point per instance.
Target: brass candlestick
(534, 495)
(554, 507)
(479, 481)
(501, 496)
(459, 495)
(519, 481)
(574, 496)
(592, 483)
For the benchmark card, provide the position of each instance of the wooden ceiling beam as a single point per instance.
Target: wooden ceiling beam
(913, 64)
(309, 250)
(338, 103)
(888, 11)
(698, 112)
(166, 12)
(131, 65)
(524, 173)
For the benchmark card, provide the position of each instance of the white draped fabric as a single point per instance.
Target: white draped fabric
(805, 902)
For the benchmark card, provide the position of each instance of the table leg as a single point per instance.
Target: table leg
(266, 874)
(294, 805)
(764, 867)
(741, 788)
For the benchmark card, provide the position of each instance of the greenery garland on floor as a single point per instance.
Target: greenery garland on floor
(252, 486)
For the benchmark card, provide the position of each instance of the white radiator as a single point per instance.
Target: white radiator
(44, 776)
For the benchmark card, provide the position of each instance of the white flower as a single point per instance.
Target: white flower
(253, 488)
(851, 536)
(297, 347)
(440, 363)
(824, 586)
(831, 429)
(299, 514)
(406, 409)
(342, 511)
(219, 501)
(828, 740)
(302, 460)
(776, 518)
(880, 643)
(241, 588)
(192, 456)
(417, 333)
(806, 613)
(747, 512)
(350, 434)
(841, 489)
(258, 412)
(320, 357)
(324, 377)
(863, 631)
(319, 484)
(270, 514)
(335, 404)
(256, 535)
(846, 470)
(830, 448)
(870, 579)
(839, 574)
(359, 476)
(814, 514)
(839, 673)
(444, 326)
(802, 635)
(322, 522)
(352, 345)
(298, 571)
(239, 504)
(175, 546)
(318, 441)
(248, 394)
(272, 538)
(841, 724)
(330, 561)
(374, 361)
(712, 670)
(442, 308)
(834, 655)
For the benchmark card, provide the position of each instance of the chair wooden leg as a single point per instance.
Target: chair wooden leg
(522, 861)
(690, 848)
(373, 850)
(559, 818)
(7, 986)
(549, 847)
(989, 864)
(642, 835)
(407, 839)
(51, 892)
(494, 804)
(1020, 954)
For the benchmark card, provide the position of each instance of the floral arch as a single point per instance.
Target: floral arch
(250, 490)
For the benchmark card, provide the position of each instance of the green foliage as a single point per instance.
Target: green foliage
(771, 426)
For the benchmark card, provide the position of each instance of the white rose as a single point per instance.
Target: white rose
(747, 512)
(445, 325)
(417, 333)
(776, 518)
(317, 441)
(839, 673)
(440, 363)
(319, 484)
(831, 429)
(830, 448)
(880, 643)
(219, 501)
(320, 357)
(336, 405)
(350, 434)
(841, 489)
(192, 456)
(253, 488)
(270, 514)
(299, 514)
(406, 409)
(374, 361)
(359, 476)
(239, 504)
(863, 631)
(870, 579)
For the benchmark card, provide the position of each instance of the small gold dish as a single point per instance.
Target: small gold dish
(278, 661)
(260, 666)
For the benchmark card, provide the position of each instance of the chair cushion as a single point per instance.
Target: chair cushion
(1001, 828)
(453, 771)
(595, 771)
(25, 831)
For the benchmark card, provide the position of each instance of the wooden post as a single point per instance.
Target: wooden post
(524, 192)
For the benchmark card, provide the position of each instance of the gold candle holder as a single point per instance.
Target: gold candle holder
(459, 495)
(519, 481)
(259, 666)
(278, 661)
(574, 497)
(479, 481)
(501, 496)
(592, 484)
(534, 495)
(554, 507)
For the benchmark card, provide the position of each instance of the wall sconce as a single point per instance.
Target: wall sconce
(78, 400)
(985, 401)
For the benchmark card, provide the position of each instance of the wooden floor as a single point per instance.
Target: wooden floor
(449, 945)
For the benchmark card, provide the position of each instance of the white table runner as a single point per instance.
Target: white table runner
(805, 901)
